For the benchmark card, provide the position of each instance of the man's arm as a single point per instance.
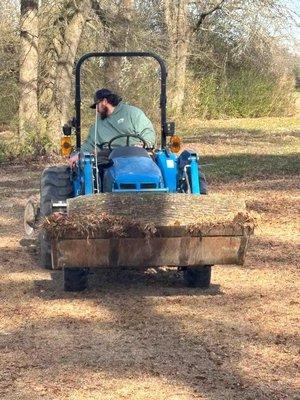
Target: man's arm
(143, 127)
(89, 143)
(87, 146)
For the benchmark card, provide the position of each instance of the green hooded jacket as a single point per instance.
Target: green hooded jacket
(125, 119)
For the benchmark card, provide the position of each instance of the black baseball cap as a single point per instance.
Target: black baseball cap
(100, 95)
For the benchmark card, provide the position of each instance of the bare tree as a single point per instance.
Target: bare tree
(68, 27)
(119, 32)
(65, 44)
(9, 61)
(179, 32)
(28, 109)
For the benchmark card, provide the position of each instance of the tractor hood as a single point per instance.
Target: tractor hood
(134, 170)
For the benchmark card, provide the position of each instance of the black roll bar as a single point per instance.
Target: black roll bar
(163, 89)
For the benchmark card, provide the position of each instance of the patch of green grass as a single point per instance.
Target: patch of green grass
(297, 102)
(235, 149)
(226, 168)
(241, 93)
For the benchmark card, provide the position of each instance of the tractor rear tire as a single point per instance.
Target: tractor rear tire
(55, 186)
(75, 279)
(197, 277)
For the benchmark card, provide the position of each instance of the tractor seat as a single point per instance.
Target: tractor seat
(129, 151)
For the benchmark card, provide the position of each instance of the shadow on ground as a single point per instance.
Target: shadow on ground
(134, 334)
(146, 326)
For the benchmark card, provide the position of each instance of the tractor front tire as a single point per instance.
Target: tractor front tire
(197, 277)
(202, 182)
(75, 279)
(55, 186)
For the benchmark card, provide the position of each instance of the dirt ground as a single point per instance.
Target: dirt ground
(144, 336)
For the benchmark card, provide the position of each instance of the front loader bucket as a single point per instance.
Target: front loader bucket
(149, 230)
(145, 253)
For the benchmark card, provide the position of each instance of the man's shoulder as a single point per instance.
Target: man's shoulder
(132, 109)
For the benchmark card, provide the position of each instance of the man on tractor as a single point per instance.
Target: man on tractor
(115, 118)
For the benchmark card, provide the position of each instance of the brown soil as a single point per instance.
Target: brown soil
(144, 335)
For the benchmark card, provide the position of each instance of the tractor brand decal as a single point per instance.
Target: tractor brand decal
(170, 164)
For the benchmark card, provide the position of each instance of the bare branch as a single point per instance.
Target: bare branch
(101, 13)
(207, 13)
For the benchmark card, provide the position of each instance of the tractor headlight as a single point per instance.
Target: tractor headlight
(66, 146)
(175, 144)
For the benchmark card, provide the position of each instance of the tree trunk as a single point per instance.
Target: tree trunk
(61, 101)
(118, 42)
(178, 31)
(28, 108)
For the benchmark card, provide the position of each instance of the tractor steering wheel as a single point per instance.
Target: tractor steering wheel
(128, 136)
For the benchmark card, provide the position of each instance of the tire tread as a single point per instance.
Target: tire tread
(55, 186)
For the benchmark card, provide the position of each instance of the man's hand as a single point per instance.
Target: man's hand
(73, 159)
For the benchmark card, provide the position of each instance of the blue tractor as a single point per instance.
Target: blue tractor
(128, 169)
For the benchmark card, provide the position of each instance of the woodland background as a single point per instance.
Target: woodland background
(143, 335)
(226, 58)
